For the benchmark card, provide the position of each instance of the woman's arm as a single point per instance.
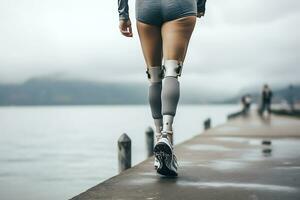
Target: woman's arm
(123, 9)
(125, 23)
(201, 8)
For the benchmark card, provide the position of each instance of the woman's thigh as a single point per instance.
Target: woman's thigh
(151, 42)
(176, 35)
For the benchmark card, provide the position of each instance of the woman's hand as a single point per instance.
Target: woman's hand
(125, 27)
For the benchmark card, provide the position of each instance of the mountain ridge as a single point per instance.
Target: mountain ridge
(51, 91)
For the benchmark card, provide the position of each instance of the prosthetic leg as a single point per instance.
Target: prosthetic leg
(170, 95)
(155, 76)
(163, 150)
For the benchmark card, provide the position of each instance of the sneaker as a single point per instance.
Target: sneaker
(163, 152)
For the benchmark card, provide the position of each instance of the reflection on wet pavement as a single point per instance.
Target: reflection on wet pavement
(207, 147)
(246, 186)
(227, 165)
(228, 128)
(267, 152)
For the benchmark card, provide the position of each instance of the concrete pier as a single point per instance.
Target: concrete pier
(248, 158)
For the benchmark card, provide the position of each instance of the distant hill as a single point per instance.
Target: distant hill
(50, 91)
(56, 92)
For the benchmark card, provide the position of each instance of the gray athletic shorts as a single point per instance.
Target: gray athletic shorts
(156, 12)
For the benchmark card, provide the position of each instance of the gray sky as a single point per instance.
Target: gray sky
(236, 45)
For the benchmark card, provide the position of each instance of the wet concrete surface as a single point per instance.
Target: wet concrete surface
(223, 163)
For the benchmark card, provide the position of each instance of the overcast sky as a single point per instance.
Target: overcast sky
(238, 44)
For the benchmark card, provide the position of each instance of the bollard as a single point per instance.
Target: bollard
(124, 152)
(266, 142)
(207, 124)
(149, 141)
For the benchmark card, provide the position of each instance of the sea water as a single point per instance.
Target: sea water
(57, 152)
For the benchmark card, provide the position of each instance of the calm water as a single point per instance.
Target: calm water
(57, 152)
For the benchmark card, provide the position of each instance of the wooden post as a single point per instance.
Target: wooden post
(124, 152)
(266, 142)
(207, 124)
(149, 141)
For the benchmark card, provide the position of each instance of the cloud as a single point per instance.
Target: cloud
(252, 11)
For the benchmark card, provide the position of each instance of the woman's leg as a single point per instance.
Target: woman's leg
(151, 42)
(175, 35)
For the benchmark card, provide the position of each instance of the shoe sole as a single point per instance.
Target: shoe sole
(164, 155)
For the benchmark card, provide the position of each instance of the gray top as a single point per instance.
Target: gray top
(124, 9)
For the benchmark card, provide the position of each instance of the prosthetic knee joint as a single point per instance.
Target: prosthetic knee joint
(172, 68)
(155, 74)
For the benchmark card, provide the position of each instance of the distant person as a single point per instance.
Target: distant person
(291, 98)
(266, 99)
(164, 28)
(246, 101)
